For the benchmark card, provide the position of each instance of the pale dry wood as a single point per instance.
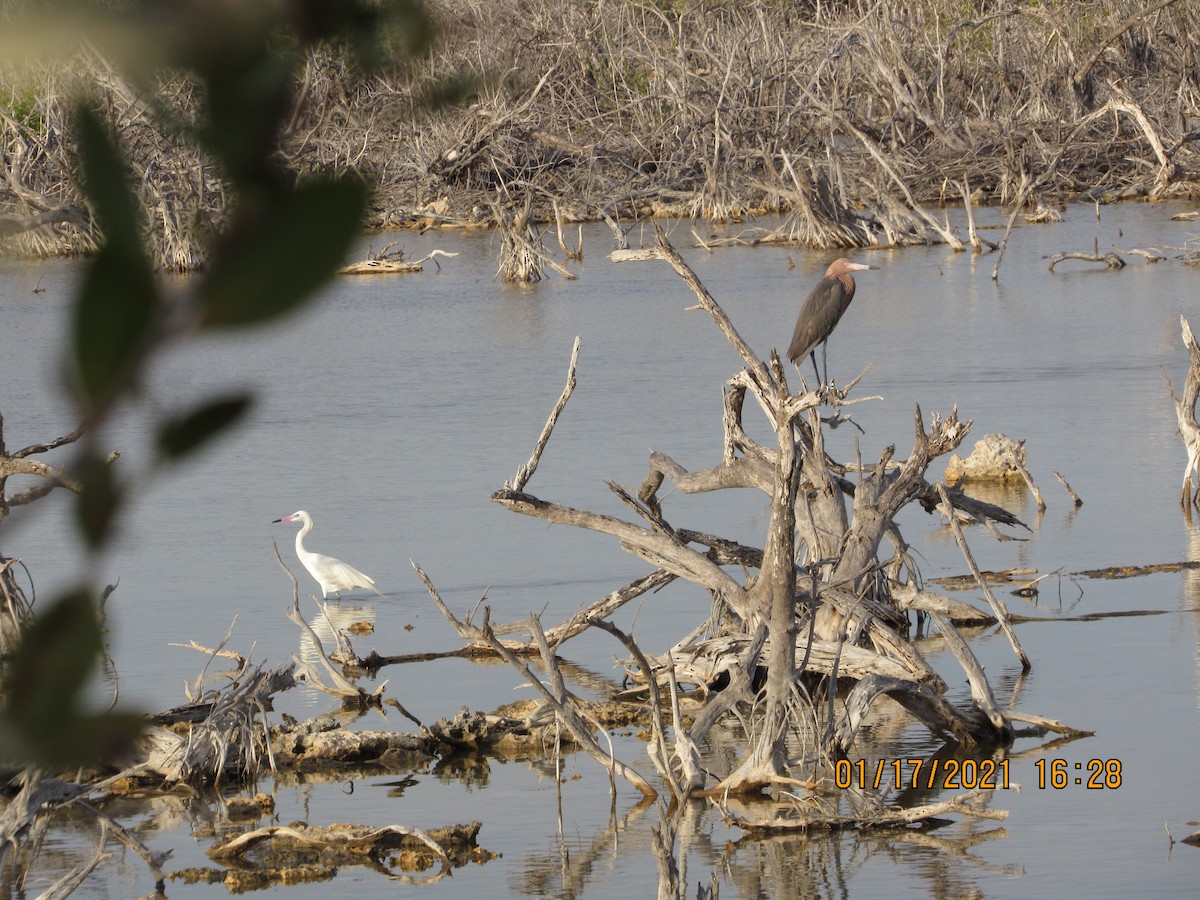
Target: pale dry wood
(703, 663)
(657, 749)
(1037, 495)
(576, 624)
(687, 752)
(969, 207)
(213, 652)
(1111, 260)
(1045, 724)
(948, 236)
(933, 711)
(1153, 255)
(621, 236)
(194, 689)
(562, 704)
(380, 267)
(340, 686)
(1084, 70)
(66, 884)
(1185, 415)
(909, 597)
(804, 486)
(740, 689)
(526, 471)
(774, 591)
(1069, 489)
(228, 738)
(19, 463)
(37, 793)
(870, 619)
(761, 377)
(661, 551)
(72, 215)
(817, 821)
(878, 499)
(627, 255)
(236, 847)
(981, 691)
(1022, 194)
(997, 606)
(154, 861)
(568, 252)
(522, 254)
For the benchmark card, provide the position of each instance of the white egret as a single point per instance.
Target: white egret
(333, 575)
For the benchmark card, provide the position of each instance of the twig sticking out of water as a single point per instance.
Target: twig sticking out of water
(525, 472)
(1070, 490)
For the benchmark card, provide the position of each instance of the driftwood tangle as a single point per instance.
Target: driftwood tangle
(816, 605)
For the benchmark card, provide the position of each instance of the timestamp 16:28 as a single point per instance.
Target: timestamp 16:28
(1095, 774)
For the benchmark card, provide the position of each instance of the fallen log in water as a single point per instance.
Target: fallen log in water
(1112, 260)
(303, 852)
(802, 820)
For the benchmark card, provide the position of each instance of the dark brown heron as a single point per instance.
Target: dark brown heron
(821, 312)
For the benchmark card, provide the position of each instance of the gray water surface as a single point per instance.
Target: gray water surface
(393, 408)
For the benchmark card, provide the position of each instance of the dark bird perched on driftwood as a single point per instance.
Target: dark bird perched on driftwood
(821, 312)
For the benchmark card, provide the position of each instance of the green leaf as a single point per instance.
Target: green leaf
(272, 261)
(115, 316)
(53, 660)
(247, 96)
(180, 435)
(99, 498)
(43, 684)
(115, 322)
(107, 184)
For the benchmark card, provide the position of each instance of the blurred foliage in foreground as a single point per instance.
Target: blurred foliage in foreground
(243, 59)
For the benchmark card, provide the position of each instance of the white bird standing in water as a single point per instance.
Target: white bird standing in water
(333, 575)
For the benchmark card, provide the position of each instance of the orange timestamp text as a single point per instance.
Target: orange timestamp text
(927, 774)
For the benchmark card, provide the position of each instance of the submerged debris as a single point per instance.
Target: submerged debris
(322, 742)
(281, 848)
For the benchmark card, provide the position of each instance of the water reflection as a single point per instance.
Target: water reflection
(336, 625)
(1191, 584)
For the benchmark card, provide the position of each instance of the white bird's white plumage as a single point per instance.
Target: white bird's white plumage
(333, 575)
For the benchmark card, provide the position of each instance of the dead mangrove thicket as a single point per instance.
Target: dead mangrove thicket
(849, 118)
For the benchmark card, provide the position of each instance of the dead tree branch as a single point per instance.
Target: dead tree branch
(1185, 415)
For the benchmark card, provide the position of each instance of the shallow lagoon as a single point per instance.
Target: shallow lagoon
(394, 407)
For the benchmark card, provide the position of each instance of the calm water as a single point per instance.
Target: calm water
(393, 408)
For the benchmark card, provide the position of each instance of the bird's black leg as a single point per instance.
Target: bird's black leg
(825, 361)
(812, 354)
